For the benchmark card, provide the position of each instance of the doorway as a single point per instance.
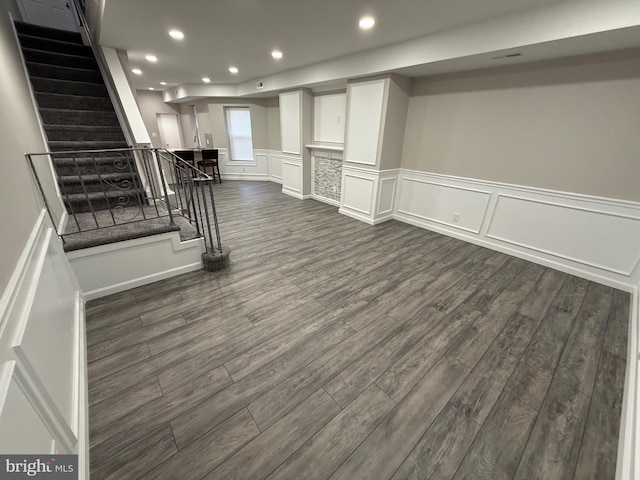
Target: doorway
(58, 14)
(169, 131)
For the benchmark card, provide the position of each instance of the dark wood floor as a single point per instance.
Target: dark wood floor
(333, 349)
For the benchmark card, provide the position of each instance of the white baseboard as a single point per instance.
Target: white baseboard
(140, 281)
(293, 194)
(253, 177)
(628, 442)
(116, 267)
(322, 199)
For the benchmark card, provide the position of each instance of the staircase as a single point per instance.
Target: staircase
(77, 115)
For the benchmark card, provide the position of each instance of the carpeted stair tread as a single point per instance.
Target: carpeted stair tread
(59, 116)
(95, 178)
(44, 70)
(83, 159)
(47, 32)
(79, 120)
(60, 101)
(88, 183)
(68, 87)
(118, 233)
(113, 193)
(83, 133)
(51, 45)
(59, 59)
(61, 146)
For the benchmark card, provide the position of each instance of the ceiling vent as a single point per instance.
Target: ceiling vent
(508, 55)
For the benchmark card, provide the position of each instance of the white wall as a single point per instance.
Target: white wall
(19, 133)
(569, 125)
(329, 117)
(118, 67)
(291, 122)
(151, 104)
(365, 109)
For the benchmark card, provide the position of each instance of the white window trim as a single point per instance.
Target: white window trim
(228, 160)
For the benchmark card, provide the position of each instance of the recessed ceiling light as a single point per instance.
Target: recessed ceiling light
(206, 79)
(151, 58)
(277, 54)
(233, 69)
(367, 23)
(151, 88)
(163, 83)
(137, 71)
(176, 34)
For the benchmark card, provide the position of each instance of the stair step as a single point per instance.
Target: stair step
(98, 183)
(90, 166)
(39, 43)
(59, 59)
(95, 178)
(118, 233)
(55, 72)
(79, 202)
(49, 33)
(66, 87)
(56, 116)
(61, 146)
(74, 133)
(61, 101)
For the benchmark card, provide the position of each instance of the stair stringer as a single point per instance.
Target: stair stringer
(115, 267)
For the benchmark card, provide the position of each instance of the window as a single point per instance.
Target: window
(239, 131)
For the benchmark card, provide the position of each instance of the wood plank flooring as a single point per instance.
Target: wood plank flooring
(334, 349)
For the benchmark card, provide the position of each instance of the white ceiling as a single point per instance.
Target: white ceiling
(221, 33)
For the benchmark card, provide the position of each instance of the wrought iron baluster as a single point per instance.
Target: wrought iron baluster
(215, 216)
(104, 193)
(65, 194)
(86, 194)
(44, 197)
(146, 166)
(166, 193)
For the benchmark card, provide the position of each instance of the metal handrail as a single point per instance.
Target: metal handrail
(175, 188)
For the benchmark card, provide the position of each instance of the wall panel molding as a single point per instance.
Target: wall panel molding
(592, 237)
(43, 390)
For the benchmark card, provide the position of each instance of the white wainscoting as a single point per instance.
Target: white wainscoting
(368, 195)
(257, 169)
(43, 378)
(116, 267)
(592, 237)
(443, 202)
(274, 166)
(292, 177)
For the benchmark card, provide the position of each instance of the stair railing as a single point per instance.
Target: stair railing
(102, 189)
(193, 193)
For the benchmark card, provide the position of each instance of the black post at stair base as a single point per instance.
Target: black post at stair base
(216, 258)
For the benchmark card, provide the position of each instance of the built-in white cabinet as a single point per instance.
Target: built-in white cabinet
(376, 114)
(365, 101)
(295, 131)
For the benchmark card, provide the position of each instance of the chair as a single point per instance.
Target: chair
(186, 155)
(210, 159)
